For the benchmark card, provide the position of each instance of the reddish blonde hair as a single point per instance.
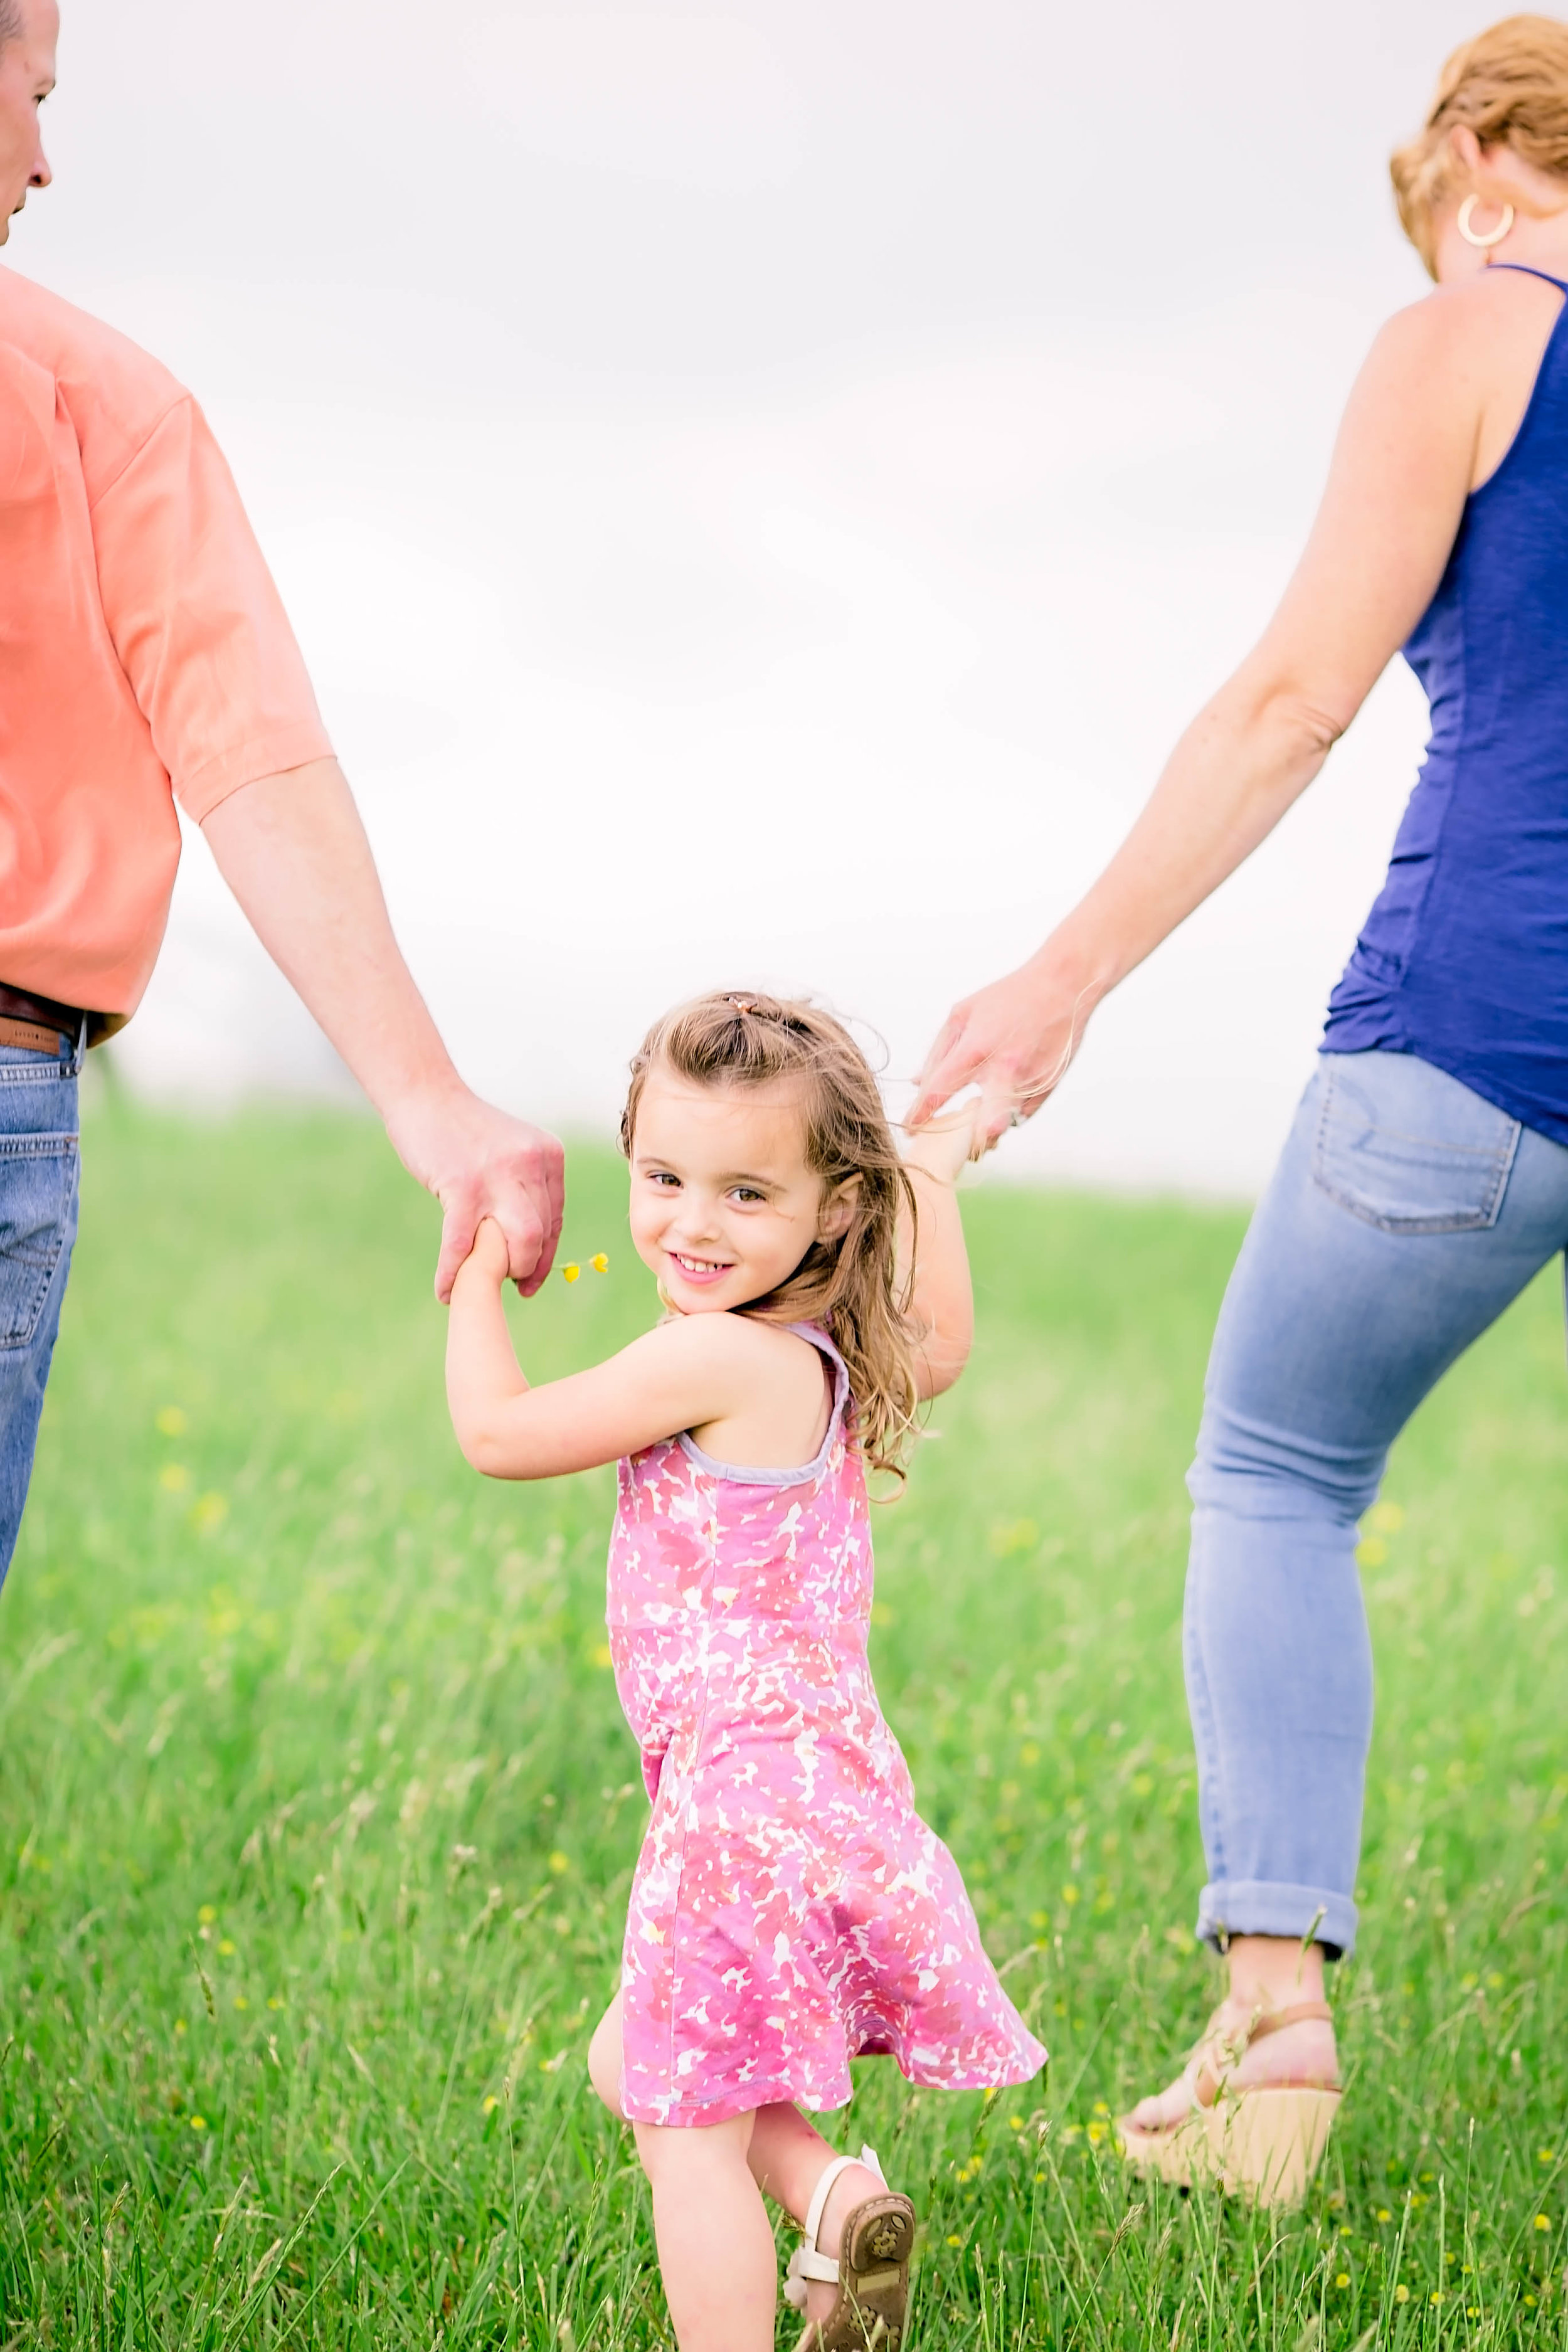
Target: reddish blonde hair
(851, 1287)
(1510, 86)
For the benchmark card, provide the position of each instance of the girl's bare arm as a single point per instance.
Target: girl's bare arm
(943, 1297)
(687, 1372)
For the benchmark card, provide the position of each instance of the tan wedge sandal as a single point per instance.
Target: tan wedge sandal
(871, 2274)
(1259, 2140)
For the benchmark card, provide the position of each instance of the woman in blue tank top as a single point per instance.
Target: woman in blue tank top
(1426, 1178)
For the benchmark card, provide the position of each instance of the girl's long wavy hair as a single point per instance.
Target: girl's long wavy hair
(851, 1287)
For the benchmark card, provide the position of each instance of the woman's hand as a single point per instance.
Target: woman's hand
(1015, 1039)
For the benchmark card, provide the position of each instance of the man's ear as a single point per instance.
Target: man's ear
(839, 1209)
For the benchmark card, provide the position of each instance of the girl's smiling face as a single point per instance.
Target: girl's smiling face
(724, 1205)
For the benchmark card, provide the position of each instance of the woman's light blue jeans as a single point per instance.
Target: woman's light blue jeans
(1404, 1216)
(38, 1168)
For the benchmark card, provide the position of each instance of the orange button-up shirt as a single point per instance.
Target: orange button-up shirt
(144, 654)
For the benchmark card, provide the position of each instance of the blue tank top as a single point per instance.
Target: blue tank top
(1464, 957)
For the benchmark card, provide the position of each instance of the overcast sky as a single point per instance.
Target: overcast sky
(761, 486)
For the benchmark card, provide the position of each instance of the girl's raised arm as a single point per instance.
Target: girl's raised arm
(943, 1297)
(689, 1371)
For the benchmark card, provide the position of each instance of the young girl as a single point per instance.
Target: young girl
(790, 1909)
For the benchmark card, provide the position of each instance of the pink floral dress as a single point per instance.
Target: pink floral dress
(790, 1909)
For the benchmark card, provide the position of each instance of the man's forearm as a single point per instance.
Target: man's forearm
(293, 850)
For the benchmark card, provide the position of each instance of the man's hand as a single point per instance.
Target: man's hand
(481, 1163)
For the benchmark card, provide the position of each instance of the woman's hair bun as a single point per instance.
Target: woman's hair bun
(1510, 86)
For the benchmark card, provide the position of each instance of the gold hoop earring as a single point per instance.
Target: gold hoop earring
(1494, 236)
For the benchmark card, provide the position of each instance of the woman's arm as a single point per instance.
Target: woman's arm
(1402, 470)
(943, 1299)
(687, 1373)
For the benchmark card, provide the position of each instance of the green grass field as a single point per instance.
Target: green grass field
(317, 1812)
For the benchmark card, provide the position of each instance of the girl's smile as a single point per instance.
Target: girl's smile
(697, 1269)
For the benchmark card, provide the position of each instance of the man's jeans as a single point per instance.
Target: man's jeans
(1405, 1215)
(39, 1160)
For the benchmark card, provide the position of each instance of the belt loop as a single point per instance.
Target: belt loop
(78, 1054)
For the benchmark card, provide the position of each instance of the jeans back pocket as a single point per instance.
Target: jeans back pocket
(1407, 1147)
(37, 1178)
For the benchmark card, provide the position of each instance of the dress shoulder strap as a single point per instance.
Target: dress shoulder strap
(816, 1336)
(1524, 269)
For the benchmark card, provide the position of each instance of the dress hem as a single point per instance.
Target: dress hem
(746, 2099)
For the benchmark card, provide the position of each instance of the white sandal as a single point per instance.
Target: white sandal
(871, 2274)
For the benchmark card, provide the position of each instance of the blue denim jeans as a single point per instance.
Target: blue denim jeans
(1404, 1216)
(39, 1161)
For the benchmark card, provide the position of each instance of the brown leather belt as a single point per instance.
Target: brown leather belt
(38, 1024)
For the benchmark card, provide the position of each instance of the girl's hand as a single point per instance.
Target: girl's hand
(490, 1254)
(945, 1146)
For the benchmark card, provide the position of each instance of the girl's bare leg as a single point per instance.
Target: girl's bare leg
(716, 2249)
(785, 2156)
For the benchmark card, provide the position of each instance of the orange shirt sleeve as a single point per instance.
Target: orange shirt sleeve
(196, 621)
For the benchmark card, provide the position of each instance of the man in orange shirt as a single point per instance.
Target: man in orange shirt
(145, 659)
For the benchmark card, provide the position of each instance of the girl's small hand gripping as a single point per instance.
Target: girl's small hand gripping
(490, 1256)
(945, 1144)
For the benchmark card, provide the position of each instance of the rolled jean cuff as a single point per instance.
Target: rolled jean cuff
(1261, 1907)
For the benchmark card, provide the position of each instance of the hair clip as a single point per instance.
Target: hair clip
(599, 1262)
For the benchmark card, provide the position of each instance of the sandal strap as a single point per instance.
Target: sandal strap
(1217, 2052)
(813, 2212)
(806, 2265)
(808, 2262)
(1298, 2013)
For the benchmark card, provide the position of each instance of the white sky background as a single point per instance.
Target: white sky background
(761, 485)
